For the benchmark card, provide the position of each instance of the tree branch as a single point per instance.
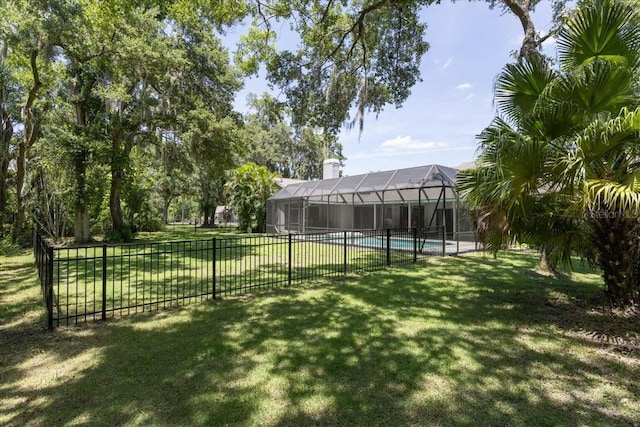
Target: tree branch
(530, 41)
(359, 23)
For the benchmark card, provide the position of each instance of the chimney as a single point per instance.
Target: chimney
(331, 169)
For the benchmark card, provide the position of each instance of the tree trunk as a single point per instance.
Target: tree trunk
(82, 232)
(206, 211)
(6, 133)
(165, 210)
(115, 207)
(530, 42)
(616, 252)
(545, 265)
(80, 155)
(4, 166)
(31, 131)
(18, 223)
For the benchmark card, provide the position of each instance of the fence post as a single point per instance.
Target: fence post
(214, 267)
(345, 252)
(104, 281)
(49, 286)
(36, 255)
(388, 246)
(415, 244)
(37, 250)
(444, 240)
(290, 258)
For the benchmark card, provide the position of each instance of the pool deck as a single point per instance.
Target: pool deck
(453, 247)
(433, 246)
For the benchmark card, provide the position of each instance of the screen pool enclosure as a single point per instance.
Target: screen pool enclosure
(423, 197)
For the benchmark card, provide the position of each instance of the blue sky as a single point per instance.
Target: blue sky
(439, 121)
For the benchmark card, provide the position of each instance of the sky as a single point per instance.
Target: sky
(438, 123)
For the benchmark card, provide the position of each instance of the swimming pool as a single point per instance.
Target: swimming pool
(397, 243)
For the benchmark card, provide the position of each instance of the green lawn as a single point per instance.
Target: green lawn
(147, 275)
(470, 340)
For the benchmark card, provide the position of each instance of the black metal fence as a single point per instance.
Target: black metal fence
(81, 284)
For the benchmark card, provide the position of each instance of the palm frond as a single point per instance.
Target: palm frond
(615, 197)
(617, 135)
(607, 153)
(599, 86)
(602, 29)
(519, 86)
(496, 137)
(553, 121)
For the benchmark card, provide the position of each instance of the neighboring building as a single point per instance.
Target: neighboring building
(283, 182)
(219, 215)
(422, 197)
(466, 165)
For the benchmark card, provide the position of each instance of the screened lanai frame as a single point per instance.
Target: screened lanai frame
(422, 197)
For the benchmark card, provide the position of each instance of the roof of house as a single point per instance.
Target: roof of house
(283, 182)
(221, 208)
(396, 184)
(466, 165)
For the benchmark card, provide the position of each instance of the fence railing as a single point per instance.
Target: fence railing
(81, 284)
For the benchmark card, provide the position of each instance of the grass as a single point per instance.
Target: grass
(470, 340)
(185, 232)
(147, 275)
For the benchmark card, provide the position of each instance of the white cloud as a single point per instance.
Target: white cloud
(446, 64)
(470, 96)
(404, 144)
(464, 86)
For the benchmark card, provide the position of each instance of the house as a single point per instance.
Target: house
(422, 197)
(219, 215)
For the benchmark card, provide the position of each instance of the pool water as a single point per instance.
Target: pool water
(399, 243)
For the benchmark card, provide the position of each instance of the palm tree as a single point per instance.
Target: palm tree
(247, 190)
(510, 191)
(559, 167)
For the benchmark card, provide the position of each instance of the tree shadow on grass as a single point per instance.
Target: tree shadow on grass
(19, 291)
(382, 349)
